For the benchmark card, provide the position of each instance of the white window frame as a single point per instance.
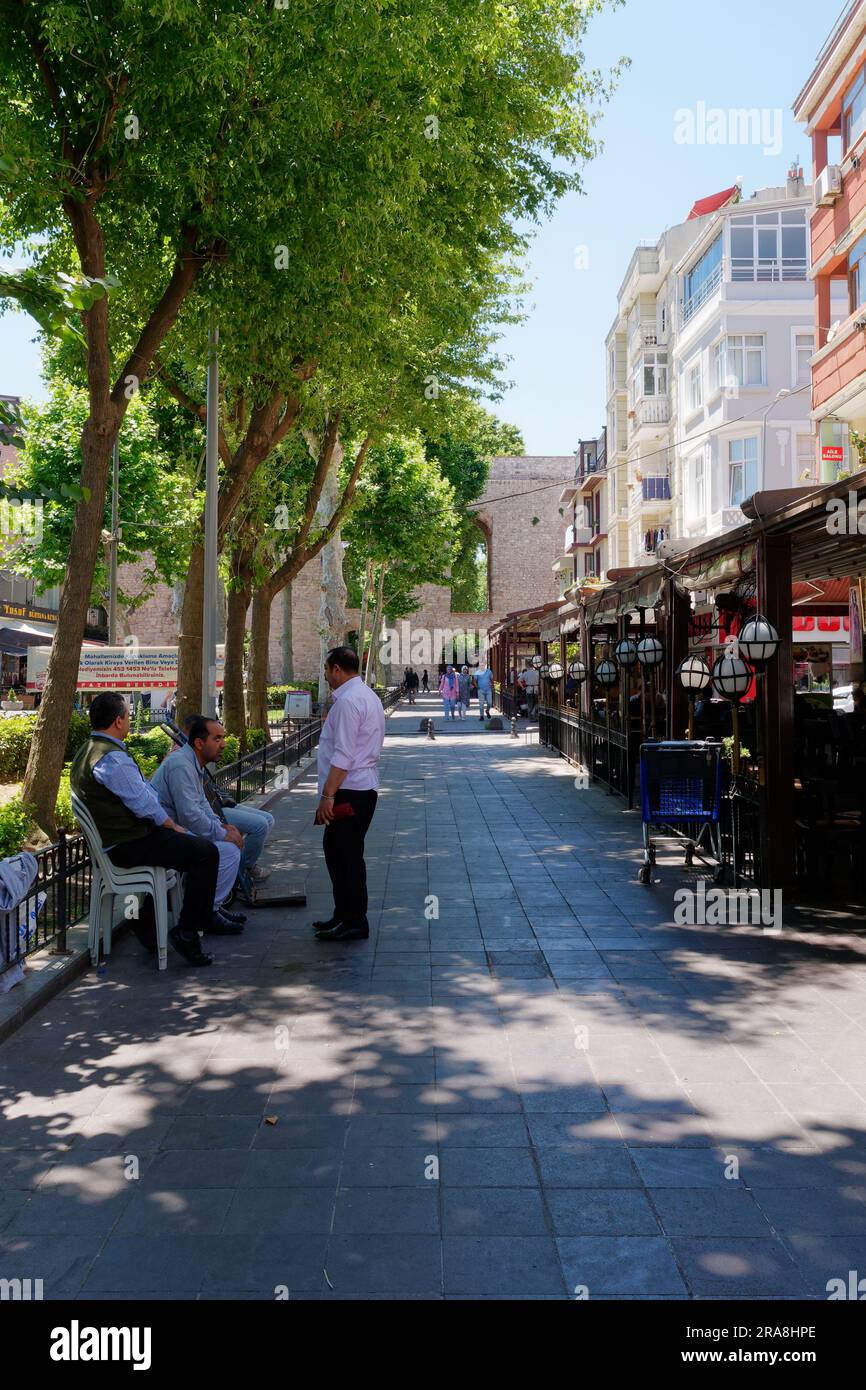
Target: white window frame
(799, 461)
(718, 366)
(738, 347)
(797, 333)
(695, 398)
(742, 464)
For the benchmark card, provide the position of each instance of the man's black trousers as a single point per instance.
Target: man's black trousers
(198, 859)
(344, 855)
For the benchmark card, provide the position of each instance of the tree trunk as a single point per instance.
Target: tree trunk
(332, 606)
(257, 677)
(288, 651)
(189, 656)
(365, 603)
(45, 763)
(373, 662)
(234, 714)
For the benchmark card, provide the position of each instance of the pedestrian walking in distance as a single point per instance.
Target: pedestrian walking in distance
(425, 683)
(449, 689)
(464, 680)
(484, 681)
(348, 766)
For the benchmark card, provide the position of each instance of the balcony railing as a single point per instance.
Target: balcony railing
(652, 410)
(656, 489)
(704, 293)
(769, 270)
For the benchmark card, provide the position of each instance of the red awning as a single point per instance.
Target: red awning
(716, 201)
(827, 596)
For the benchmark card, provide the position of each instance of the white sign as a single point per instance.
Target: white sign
(119, 668)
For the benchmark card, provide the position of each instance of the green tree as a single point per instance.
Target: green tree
(156, 509)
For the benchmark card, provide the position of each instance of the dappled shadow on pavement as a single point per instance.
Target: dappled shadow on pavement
(527, 1083)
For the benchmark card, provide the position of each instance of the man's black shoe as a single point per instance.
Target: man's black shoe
(223, 926)
(346, 931)
(237, 917)
(189, 947)
(326, 926)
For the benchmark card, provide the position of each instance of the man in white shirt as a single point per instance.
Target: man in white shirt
(348, 766)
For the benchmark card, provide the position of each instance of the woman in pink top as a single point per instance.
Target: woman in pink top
(449, 689)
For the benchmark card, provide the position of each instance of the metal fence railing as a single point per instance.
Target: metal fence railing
(64, 868)
(609, 757)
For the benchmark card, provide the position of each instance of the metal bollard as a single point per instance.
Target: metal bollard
(431, 737)
(514, 726)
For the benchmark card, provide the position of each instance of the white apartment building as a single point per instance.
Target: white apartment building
(741, 359)
(641, 407)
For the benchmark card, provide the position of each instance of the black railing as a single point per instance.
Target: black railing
(250, 775)
(740, 825)
(608, 756)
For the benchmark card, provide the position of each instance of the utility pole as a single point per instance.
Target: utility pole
(209, 615)
(115, 508)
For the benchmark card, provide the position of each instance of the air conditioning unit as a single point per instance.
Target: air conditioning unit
(829, 185)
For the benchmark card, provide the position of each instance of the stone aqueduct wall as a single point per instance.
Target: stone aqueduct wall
(521, 560)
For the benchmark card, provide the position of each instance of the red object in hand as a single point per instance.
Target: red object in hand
(342, 810)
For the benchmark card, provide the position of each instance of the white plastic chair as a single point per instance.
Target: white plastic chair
(107, 880)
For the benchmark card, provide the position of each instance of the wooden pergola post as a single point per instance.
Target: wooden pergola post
(776, 696)
(679, 610)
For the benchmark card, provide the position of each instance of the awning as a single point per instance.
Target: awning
(16, 636)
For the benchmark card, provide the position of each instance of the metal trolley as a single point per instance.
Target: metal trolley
(681, 792)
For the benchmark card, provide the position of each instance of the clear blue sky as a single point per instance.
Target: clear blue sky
(744, 53)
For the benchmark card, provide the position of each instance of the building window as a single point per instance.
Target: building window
(697, 494)
(695, 387)
(854, 111)
(743, 466)
(804, 347)
(857, 274)
(806, 449)
(703, 278)
(769, 247)
(655, 374)
(743, 359)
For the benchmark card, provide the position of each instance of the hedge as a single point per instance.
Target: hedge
(16, 735)
(277, 693)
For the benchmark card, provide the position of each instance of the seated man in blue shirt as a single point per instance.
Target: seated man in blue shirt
(254, 824)
(135, 829)
(179, 784)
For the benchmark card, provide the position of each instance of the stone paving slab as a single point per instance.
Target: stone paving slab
(528, 1082)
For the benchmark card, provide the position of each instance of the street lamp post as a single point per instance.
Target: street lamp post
(650, 654)
(209, 614)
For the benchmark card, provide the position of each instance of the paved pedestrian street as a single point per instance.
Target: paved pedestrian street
(528, 1083)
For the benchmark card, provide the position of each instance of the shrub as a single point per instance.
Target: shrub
(15, 826)
(15, 737)
(277, 693)
(79, 733)
(256, 738)
(232, 750)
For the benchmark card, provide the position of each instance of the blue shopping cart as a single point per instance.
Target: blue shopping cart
(680, 793)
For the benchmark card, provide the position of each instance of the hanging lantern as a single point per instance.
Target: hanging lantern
(577, 671)
(626, 653)
(731, 678)
(544, 672)
(759, 641)
(606, 673)
(650, 652)
(537, 662)
(694, 674)
(556, 672)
